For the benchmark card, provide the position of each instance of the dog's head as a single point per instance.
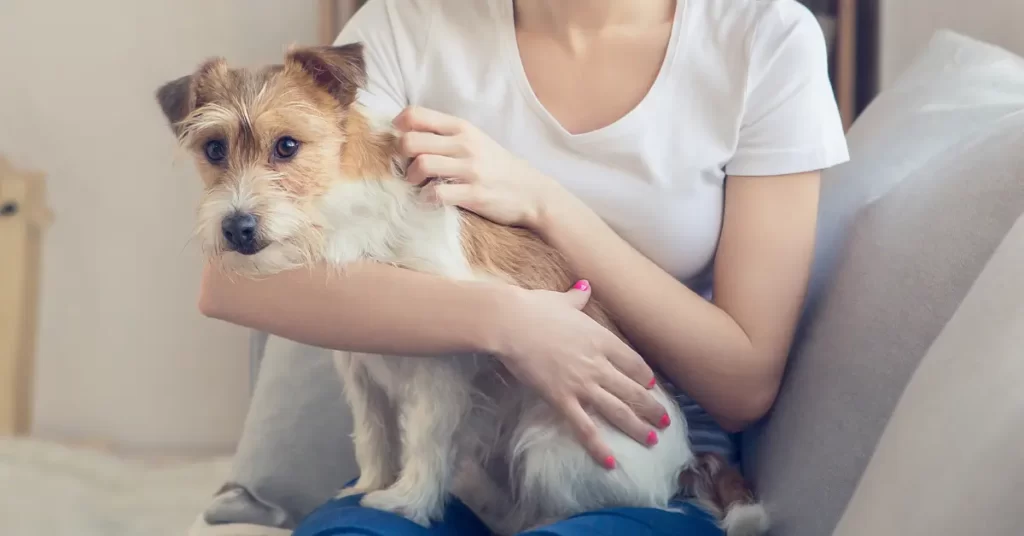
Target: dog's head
(268, 144)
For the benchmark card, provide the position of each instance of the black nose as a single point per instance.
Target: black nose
(240, 231)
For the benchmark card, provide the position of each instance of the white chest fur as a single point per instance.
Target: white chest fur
(384, 221)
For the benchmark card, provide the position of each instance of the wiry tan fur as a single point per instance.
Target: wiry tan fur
(519, 257)
(423, 427)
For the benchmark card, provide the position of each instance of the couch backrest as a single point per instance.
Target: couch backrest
(901, 267)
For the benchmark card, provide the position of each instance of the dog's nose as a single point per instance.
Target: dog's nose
(240, 231)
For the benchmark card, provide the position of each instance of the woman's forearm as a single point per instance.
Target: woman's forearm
(696, 344)
(371, 308)
(729, 354)
(543, 337)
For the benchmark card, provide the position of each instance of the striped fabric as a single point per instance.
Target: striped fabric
(705, 434)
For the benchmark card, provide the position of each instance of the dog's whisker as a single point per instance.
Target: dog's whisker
(188, 242)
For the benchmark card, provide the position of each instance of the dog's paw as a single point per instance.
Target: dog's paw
(350, 491)
(415, 508)
(360, 487)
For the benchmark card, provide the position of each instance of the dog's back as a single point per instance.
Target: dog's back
(519, 257)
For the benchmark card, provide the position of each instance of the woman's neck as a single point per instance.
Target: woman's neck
(565, 19)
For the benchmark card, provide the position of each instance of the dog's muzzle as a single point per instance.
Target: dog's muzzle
(240, 233)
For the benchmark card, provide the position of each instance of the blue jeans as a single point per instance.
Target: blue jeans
(345, 517)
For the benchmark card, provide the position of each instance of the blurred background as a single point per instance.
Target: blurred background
(120, 355)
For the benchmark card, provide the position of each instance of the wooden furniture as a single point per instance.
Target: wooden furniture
(332, 16)
(23, 217)
(845, 78)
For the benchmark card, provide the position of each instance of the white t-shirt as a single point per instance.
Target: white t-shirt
(743, 90)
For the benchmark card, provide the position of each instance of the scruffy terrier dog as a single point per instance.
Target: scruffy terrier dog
(296, 173)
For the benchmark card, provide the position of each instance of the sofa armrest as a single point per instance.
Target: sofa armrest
(948, 462)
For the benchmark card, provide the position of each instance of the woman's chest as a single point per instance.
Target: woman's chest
(652, 169)
(597, 84)
(664, 198)
(659, 185)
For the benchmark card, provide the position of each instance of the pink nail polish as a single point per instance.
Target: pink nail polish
(582, 284)
(665, 421)
(652, 438)
(652, 383)
(609, 462)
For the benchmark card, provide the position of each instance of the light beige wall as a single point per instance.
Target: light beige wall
(123, 354)
(907, 25)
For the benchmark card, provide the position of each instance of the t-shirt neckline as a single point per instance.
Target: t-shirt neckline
(510, 50)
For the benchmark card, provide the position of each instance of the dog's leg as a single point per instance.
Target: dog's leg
(484, 489)
(374, 427)
(437, 400)
(484, 480)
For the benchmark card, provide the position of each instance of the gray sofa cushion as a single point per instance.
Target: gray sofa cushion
(295, 451)
(956, 88)
(911, 257)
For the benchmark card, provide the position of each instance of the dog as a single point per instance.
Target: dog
(297, 172)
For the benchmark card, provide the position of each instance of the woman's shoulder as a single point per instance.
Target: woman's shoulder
(406, 41)
(419, 17)
(747, 22)
(752, 10)
(757, 39)
(775, 59)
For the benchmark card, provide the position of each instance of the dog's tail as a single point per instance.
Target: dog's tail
(720, 488)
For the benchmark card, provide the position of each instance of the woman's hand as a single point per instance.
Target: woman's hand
(476, 173)
(575, 363)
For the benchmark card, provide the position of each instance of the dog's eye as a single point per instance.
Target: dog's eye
(216, 151)
(286, 147)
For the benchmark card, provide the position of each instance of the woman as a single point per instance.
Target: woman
(670, 149)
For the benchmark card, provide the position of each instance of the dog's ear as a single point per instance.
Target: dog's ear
(340, 70)
(177, 100)
(179, 97)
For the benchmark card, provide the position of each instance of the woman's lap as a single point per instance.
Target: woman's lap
(345, 517)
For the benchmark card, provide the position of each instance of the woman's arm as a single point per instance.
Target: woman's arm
(542, 337)
(728, 355)
(373, 308)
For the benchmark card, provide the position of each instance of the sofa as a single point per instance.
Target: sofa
(900, 411)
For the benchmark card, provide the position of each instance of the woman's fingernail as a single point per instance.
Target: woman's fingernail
(652, 438)
(609, 462)
(582, 284)
(652, 383)
(665, 421)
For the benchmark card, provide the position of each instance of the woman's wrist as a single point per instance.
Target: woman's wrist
(211, 289)
(564, 218)
(553, 204)
(499, 305)
(414, 314)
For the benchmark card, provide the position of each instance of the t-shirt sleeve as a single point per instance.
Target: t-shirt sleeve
(790, 122)
(393, 39)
